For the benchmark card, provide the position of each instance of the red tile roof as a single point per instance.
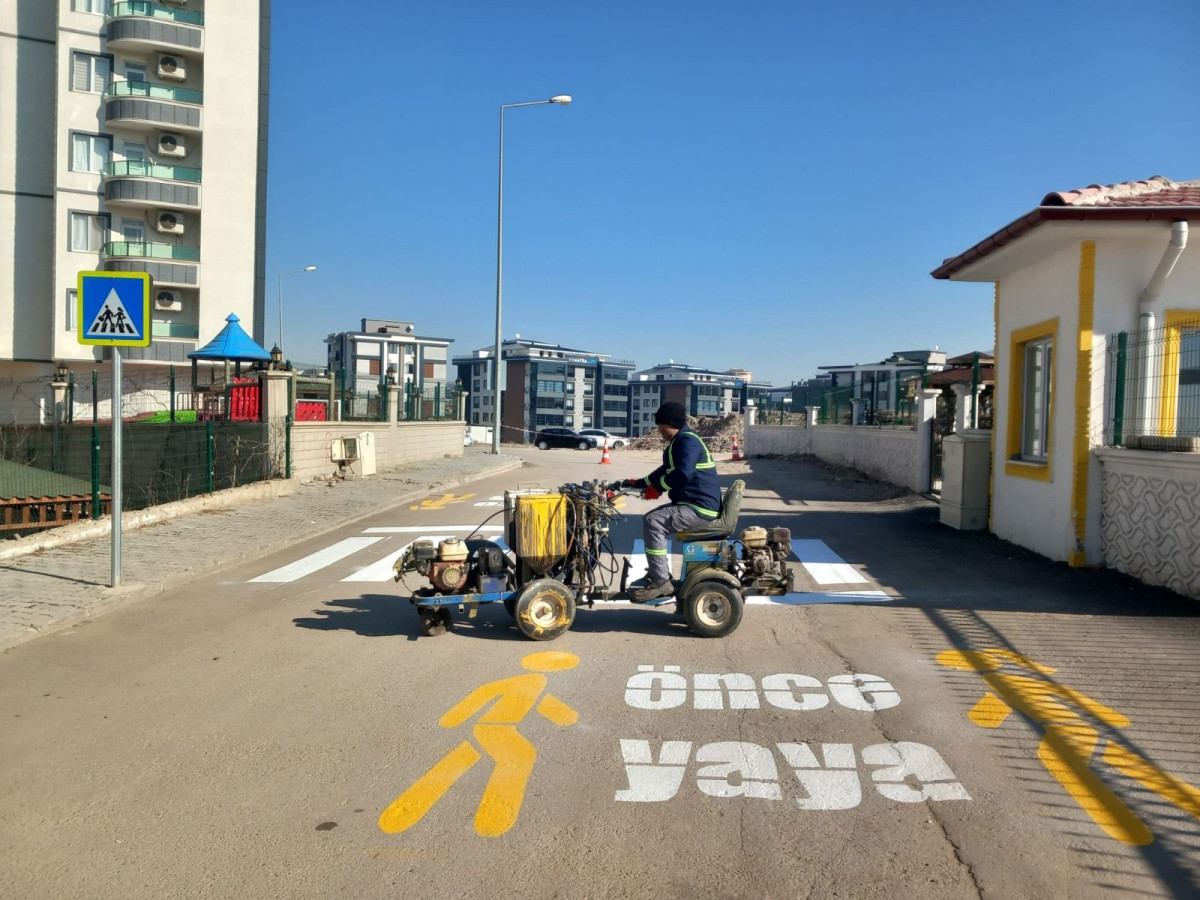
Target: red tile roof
(968, 359)
(1154, 191)
(1156, 198)
(947, 377)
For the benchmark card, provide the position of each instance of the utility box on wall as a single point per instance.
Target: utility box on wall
(966, 472)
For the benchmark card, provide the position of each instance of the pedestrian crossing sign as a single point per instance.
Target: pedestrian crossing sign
(114, 309)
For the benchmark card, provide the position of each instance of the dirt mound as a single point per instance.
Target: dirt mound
(717, 434)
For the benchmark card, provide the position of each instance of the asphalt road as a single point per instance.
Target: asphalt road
(280, 737)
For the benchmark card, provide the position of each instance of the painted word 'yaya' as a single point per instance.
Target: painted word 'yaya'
(650, 689)
(904, 772)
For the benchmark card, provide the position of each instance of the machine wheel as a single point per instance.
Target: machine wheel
(542, 445)
(434, 622)
(713, 609)
(544, 609)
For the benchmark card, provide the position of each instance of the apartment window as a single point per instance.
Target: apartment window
(133, 150)
(88, 232)
(90, 152)
(72, 316)
(135, 72)
(88, 6)
(90, 72)
(133, 230)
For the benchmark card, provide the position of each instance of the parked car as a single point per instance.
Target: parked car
(563, 437)
(601, 436)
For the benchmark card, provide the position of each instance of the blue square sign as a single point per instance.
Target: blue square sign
(114, 309)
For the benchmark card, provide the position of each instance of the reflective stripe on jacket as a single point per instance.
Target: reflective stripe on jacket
(688, 474)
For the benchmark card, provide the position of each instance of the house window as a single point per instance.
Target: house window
(89, 72)
(135, 72)
(72, 316)
(90, 152)
(88, 232)
(1031, 413)
(1179, 391)
(88, 6)
(1035, 399)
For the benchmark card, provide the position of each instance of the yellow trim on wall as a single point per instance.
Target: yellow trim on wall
(995, 399)
(1168, 410)
(1017, 339)
(1083, 400)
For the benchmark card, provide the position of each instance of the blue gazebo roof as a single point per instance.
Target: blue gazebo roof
(231, 343)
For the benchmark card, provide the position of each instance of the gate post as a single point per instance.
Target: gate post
(926, 412)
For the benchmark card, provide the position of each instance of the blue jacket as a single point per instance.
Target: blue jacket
(688, 474)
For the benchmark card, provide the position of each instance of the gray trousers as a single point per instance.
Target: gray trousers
(658, 526)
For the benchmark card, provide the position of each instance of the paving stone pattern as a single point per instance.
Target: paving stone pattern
(59, 587)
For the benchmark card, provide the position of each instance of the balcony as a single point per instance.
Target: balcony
(148, 114)
(142, 193)
(138, 168)
(164, 274)
(174, 330)
(149, 10)
(150, 250)
(154, 92)
(142, 25)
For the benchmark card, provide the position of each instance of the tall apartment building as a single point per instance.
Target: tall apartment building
(134, 139)
(366, 356)
(703, 392)
(545, 385)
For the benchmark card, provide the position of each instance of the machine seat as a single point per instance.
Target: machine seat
(722, 526)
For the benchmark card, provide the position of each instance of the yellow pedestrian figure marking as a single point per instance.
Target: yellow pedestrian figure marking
(440, 502)
(497, 735)
(1069, 741)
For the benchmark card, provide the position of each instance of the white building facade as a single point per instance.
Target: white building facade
(124, 123)
(383, 348)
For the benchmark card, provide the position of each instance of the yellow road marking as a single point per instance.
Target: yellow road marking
(507, 701)
(440, 502)
(1069, 741)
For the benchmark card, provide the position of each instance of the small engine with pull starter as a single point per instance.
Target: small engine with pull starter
(764, 556)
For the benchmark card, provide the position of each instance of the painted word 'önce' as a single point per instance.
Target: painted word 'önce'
(649, 689)
(906, 772)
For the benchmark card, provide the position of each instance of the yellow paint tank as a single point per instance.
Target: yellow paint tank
(540, 530)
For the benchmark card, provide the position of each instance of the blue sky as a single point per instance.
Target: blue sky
(762, 185)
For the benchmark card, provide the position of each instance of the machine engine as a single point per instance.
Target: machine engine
(764, 560)
(453, 567)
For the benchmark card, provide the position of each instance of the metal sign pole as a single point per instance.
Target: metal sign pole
(115, 503)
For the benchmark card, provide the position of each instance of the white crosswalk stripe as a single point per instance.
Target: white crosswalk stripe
(825, 566)
(314, 562)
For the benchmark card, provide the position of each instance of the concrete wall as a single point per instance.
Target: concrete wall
(891, 455)
(1150, 516)
(395, 444)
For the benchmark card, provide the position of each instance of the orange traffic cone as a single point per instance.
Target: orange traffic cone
(737, 453)
(604, 460)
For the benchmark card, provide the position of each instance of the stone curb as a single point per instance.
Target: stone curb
(132, 592)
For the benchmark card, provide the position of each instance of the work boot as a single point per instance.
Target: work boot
(652, 591)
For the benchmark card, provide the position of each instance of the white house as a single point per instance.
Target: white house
(1073, 477)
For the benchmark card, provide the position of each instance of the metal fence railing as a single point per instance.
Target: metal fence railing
(1153, 385)
(52, 474)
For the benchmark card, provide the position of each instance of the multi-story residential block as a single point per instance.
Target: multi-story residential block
(382, 346)
(135, 139)
(546, 385)
(703, 392)
(878, 384)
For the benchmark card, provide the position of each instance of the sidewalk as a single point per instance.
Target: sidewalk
(55, 588)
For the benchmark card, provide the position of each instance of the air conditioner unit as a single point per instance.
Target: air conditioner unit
(169, 223)
(171, 145)
(168, 301)
(172, 67)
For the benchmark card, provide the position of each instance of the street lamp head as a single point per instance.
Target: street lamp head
(561, 99)
(310, 268)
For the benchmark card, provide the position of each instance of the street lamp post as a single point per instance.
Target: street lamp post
(281, 276)
(498, 370)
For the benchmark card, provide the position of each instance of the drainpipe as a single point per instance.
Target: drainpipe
(1149, 362)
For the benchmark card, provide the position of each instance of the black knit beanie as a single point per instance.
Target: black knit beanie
(672, 414)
